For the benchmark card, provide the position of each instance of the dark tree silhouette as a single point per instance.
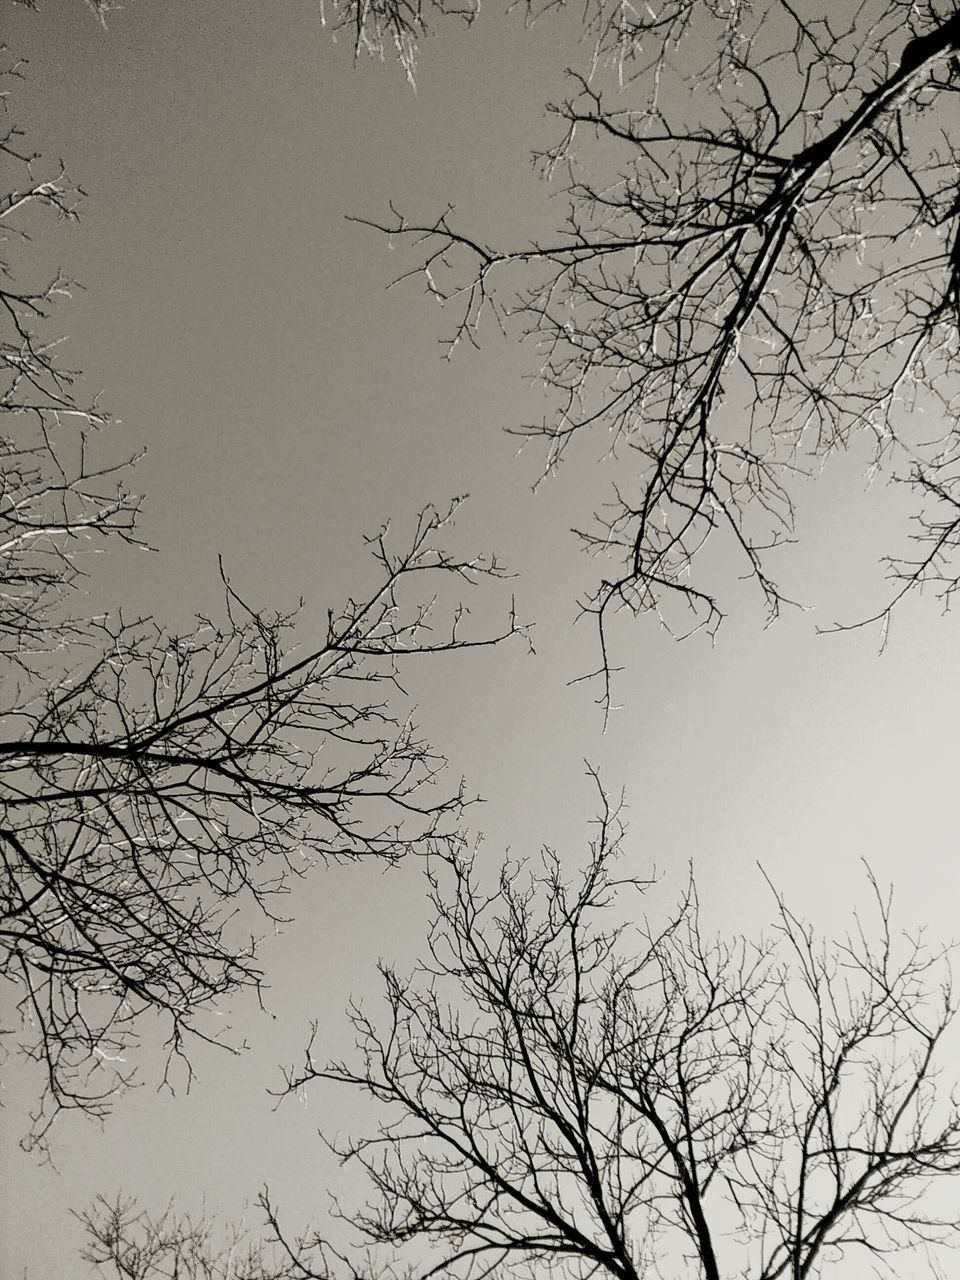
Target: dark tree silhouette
(759, 265)
(568, 1092)
(154, 787)
(563, 1094)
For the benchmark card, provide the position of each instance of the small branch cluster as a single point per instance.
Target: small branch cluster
(135, 1246)
(58, 499)
(127, 1243)
(392, 27)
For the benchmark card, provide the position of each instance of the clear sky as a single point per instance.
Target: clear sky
(240, 328)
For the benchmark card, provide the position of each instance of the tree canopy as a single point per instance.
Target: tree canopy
(568, 1087)
(757, 266)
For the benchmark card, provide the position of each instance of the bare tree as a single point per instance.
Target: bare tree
(161, 781)
(564, 1093)
(155, 787)
(759, 265)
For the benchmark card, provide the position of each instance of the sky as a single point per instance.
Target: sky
(240, 327)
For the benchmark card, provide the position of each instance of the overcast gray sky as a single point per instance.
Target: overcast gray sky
(239, 327)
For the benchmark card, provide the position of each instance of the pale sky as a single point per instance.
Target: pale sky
(240, 328)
